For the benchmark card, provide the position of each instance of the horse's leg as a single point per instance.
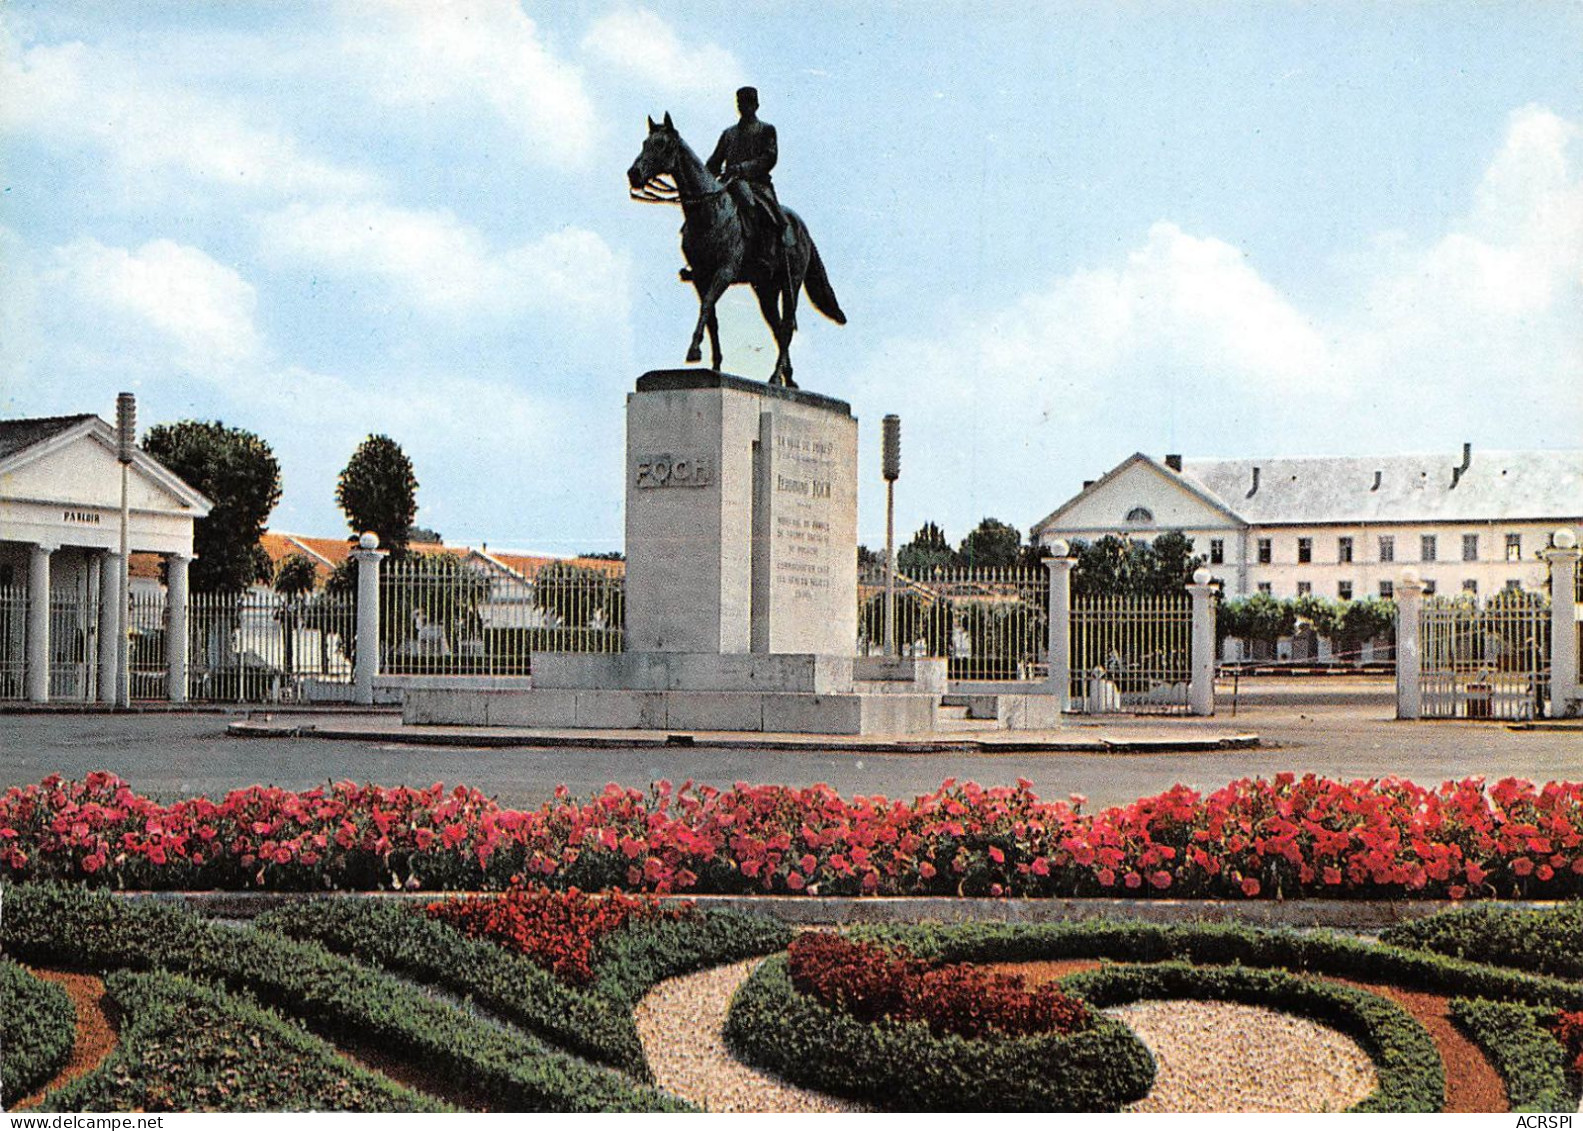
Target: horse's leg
(708, 294)
(714, 338)
(797, 269)
(769, 306)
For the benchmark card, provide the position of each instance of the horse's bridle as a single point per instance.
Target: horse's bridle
(661, 189)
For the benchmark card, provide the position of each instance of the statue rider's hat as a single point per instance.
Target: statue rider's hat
(748, 94)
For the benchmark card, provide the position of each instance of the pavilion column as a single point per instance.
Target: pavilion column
(38, 645)
(176, 627)
(109, 623)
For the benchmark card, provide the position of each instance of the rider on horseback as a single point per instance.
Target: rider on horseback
(743, 160)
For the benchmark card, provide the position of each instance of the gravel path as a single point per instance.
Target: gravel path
(682, 1024)
(1224, 1056)
(95, 1037)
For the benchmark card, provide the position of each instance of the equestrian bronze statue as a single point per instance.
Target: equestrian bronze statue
(734, 230)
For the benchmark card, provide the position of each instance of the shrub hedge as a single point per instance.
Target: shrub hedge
(595, 1021)
(189, 1047)
(38, 1029)
(337, 998)
(1522, 1049)
(902, 1066)
(1547, 941)
(1411, 1075)
(1317, 952)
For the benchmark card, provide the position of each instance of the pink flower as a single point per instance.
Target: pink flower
(1250, 887)
(795, 882)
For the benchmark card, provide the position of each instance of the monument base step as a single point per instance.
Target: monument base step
(612, 709)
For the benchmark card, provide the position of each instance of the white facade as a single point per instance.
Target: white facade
(1342, 528)
(60, 541)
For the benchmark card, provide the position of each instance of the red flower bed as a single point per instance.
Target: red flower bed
(555, 929)
(1255, 838)
(871, 982)
(1569, 1031)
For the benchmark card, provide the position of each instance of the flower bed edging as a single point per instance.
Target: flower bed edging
(905, 1067)
(1411, 1076)
(38, 1028)
(335, 997)
(181, 1049)
(1525, 1053)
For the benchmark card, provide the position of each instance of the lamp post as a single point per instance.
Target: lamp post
(126, 445)
(890, 468)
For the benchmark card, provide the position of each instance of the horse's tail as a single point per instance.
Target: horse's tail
(817, 284)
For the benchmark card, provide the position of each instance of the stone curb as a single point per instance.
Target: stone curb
(1344, 914)
(707, 740)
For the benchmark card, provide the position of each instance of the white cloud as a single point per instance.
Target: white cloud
(200, 308)
(435, 263)
(639, 42)
(449, 56)
(1477, 334)
(72, 94)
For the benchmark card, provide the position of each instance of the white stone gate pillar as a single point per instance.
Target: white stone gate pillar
(110, 627)
(38, 646)
(1058, 643)
(176, 628)
(368, 555)
(1409, 653)
(1563, 557)
(1201, 686)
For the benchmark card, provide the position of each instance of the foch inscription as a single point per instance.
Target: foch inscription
(667, 470)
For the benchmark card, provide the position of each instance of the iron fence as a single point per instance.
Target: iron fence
(1131, 654)
(73, 644)
(13, 641)
(989, 623)
(1484, 661)
(447, 615)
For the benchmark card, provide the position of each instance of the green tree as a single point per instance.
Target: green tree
(928, 551)
(991, 543)
(295, 577)
(1125, 567)
(378, 491)
(239, 473)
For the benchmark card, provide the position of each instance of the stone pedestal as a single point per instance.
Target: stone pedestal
(741, 518)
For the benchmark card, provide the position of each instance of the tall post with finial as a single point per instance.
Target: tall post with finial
(890, 467)
(126, 445)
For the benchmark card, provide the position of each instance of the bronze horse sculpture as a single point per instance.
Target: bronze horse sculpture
(723, 247)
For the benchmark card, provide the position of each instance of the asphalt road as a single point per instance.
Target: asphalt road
(1344, 732)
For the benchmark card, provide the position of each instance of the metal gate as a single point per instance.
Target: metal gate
(1131, 654)
(1489, 661)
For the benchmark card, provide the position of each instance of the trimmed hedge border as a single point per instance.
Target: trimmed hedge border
(38, 1030)
(189, 1047)
(334, 996)
(1412, 1077)
(595, 1021)
(905, 1067)
(1546, 940)
(1525, 1052)
(1214, 944)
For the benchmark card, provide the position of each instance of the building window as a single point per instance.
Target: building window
(1387, 547)
(1387, 590)
(1265, 553)
(1343, 590)
(1305, 588)
(1514, 547)
(1217, 551)
(1266, 588)
(1428, 548)
(1305, 549)
(1470, 585)
(1343, 550)
(1140, 514)
(1470, 547)
(1513, 585)
(1429, 589)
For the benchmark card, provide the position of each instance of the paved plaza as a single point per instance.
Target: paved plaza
(1341, 728)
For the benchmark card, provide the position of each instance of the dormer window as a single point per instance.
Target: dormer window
(1140, 515)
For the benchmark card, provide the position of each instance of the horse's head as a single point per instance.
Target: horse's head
(658, 155)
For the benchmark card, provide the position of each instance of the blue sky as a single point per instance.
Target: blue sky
(1062, 233)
